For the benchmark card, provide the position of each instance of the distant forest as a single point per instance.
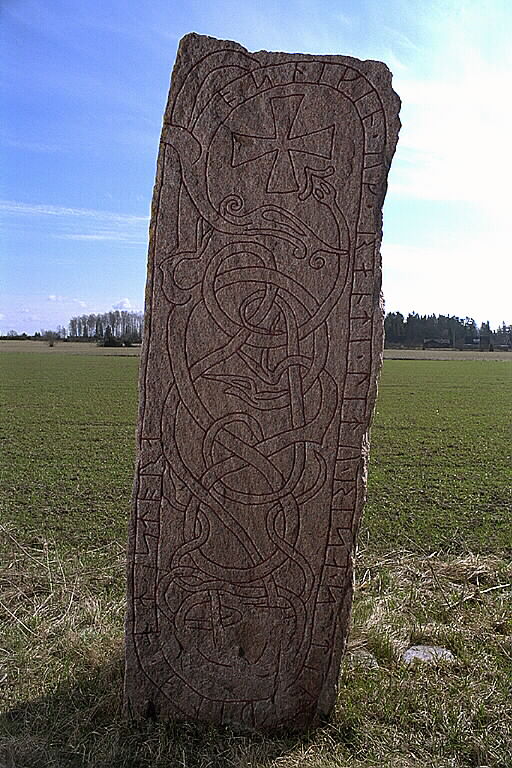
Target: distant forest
(442, 331)
(110, 329)
(122, 326)
(116, 328)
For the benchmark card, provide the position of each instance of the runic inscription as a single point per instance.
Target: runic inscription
(262, 347)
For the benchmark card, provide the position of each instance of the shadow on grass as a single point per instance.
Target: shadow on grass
(82, 723)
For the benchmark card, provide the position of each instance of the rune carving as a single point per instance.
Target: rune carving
(258, 379)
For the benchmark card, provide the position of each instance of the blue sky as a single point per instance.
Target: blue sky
(82, 97)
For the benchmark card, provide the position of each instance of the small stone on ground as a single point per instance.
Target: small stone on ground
(428, 653)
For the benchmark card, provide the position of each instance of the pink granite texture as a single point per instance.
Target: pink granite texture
(262, 349)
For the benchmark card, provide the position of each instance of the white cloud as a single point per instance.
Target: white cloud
(33, 146)
(452, 169)
(59, 299)
(65, 300)
(123, 237)
(344, 18)
(394, 63)
(28, 315)
(445, 279)
(400, 39)
(14, 207)
(448, 146)
(123, 304)
(79, 224)
(455, 108)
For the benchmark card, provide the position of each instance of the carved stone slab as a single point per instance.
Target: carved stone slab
(262, 347)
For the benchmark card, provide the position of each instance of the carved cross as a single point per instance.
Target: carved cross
(283, 144)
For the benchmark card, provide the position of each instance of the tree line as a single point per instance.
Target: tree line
(118, 327)
(114, 328)
(442, 330)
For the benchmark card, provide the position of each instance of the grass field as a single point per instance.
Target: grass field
(432, 567)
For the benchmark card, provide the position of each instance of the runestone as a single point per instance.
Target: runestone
(262, 347)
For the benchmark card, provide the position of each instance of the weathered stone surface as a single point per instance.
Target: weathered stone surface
(262, 347)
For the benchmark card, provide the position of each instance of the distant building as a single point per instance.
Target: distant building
(485, 341)
(437, 344)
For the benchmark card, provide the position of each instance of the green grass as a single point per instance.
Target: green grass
(441, 457)
(431, 568)
(440, 471)
(67, 435)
